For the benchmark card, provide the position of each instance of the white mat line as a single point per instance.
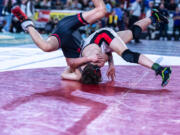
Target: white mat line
(29, 63)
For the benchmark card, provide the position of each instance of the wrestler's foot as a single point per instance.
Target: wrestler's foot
(165, 74)
(19, 13)
(159, 17)
(25, 22)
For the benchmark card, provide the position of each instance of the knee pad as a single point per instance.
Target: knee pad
(136, 31)
(130, 56)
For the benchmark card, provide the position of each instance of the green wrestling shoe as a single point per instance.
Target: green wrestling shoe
(159, 17)
(165, 74)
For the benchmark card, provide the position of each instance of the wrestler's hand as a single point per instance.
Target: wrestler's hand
(95, 58)
(101, 61)
(92, 58)
(111, 72)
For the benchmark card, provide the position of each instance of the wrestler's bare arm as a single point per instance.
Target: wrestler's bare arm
(110, 59)
(71, 75)
(111, 70)
(76, 62)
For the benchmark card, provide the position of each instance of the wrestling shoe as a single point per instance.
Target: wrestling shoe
(19, 13)
(159, 17)
(165, 74)
(25, 22)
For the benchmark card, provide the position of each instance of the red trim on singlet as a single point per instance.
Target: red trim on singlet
(80, 19)
(59, 40)
(79, 50)
(106, 37)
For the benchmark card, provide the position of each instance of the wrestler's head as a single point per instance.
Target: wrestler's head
(91, 74)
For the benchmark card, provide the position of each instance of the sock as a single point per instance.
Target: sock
(157, 68)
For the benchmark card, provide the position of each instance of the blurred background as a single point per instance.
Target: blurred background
(121, 15)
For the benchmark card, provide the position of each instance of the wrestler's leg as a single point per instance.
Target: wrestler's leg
(141, 25)
(125, 35)
(46, 45)
(138, 27)
(95, 14)
(118, 46)
(51, 44)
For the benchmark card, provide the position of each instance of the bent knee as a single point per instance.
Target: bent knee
(47, 50)
(129, 56)
(48, 47)
(136, 31)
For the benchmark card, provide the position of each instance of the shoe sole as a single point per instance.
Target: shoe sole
(167, 81)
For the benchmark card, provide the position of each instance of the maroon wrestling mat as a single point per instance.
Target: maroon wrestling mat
(38, 102)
